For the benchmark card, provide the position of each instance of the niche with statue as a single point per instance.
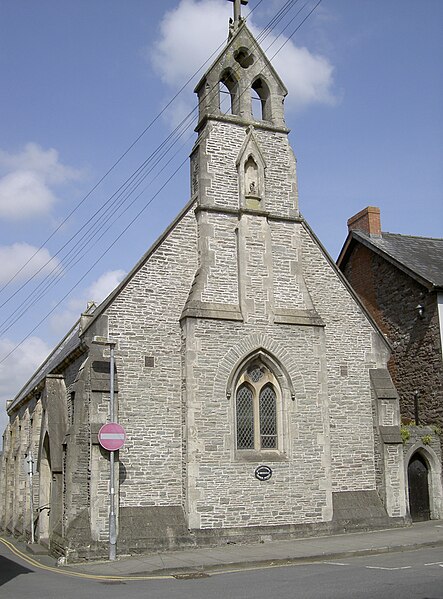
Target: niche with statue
(251, 171)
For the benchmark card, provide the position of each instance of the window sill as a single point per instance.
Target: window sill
(247, 455)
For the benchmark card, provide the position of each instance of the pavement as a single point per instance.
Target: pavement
(200, 562)
(197, 562)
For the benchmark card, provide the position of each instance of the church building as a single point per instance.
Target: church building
(250, 380)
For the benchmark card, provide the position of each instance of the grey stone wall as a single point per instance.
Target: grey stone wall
(144, 320)
(222, 489)
(217, 152)
(350, 352)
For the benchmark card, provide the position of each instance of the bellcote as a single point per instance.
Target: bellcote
(241, 72)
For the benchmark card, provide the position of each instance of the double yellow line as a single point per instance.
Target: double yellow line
(64, 572)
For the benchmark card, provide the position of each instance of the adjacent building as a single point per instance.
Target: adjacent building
(399, 279)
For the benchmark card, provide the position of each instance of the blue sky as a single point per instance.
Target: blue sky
(81, 80)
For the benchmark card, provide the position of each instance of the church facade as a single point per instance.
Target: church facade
(250, 380)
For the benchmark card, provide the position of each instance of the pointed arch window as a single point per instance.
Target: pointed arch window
(256, 406)
(261, 100)
(228, 94)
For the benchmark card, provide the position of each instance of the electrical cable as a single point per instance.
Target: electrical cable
(296, 29)
(63, 222)
(141, 211)
(86, 231)
(95, 263)
(79, 254)
(39, 297)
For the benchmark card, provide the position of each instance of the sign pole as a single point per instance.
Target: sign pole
(111, 437)
(112, 519)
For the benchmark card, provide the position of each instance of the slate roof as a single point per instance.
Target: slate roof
(420, 257)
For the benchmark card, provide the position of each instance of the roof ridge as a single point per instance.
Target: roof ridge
(413, 236)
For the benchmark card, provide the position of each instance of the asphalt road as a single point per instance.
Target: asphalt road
(407, 575)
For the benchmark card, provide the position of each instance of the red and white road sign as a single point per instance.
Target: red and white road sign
(112, 436)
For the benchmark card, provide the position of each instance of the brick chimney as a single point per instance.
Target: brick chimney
(367, 221)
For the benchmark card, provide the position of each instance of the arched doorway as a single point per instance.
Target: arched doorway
(418, 486)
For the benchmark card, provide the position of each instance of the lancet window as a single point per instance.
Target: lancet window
(261, 100)
(228, 94)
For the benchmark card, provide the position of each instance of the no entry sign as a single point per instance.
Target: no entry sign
(112, 436)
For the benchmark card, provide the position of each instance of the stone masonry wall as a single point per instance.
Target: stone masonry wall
(219, 151)
(286, 249)
(219, 245)
(351, 352)
(222, 489)
(76, 474)
(144, 319)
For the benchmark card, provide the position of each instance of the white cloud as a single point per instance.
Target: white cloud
(96, 292)
(28, 258)
(188, 35)
(307, 76)
(181, 50)
(18, 368)
(28, 178)
(103, 286)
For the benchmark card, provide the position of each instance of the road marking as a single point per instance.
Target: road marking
(434, 564)
(335, 564)
(384, 568)
(36, 564)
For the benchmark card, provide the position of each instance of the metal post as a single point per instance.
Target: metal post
(112, 418)
(112, 519)
(31, 493)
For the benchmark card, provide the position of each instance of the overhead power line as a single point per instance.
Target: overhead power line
(89, 229)
(282, 14)
(107, 173)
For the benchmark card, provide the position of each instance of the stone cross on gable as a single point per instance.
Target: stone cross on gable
(237, 9)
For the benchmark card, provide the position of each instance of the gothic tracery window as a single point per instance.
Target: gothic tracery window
(256, 409)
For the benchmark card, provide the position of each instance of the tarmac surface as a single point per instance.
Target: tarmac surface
(193, 563)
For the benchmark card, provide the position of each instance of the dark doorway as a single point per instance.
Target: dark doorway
(418, 489)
